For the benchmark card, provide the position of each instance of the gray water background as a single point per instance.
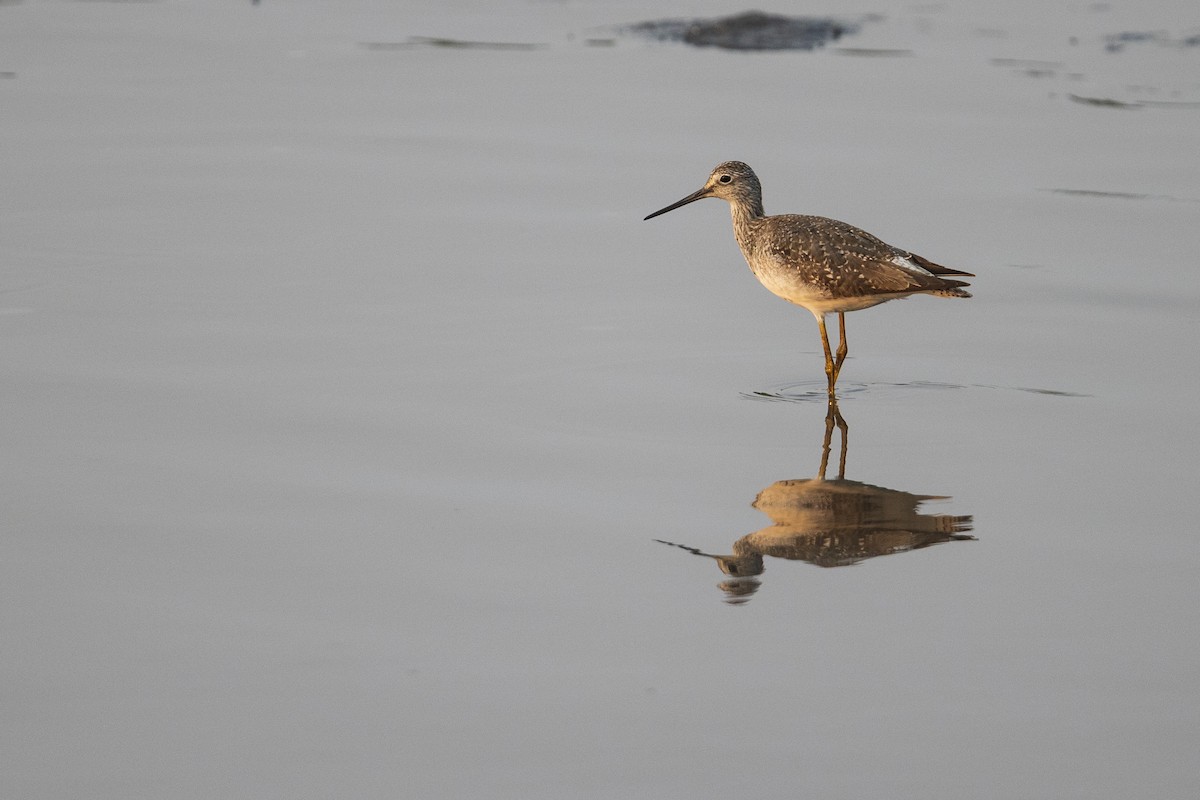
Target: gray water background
(346, 392)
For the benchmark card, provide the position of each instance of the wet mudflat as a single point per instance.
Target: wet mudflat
(348, 394)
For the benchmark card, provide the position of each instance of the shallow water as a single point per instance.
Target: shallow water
(348, 394)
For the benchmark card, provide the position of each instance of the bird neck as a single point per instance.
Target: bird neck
(744, 213)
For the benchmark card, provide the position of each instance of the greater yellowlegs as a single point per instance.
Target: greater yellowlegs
(819, 263)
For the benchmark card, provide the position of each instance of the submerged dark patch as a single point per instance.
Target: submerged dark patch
(752, 30)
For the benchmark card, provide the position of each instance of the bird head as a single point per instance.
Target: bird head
(732, 181)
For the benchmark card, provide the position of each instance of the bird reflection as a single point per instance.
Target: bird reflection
(831, 522)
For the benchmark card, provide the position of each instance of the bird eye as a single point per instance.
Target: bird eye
(725, 178)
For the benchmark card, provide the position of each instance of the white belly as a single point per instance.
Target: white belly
(815, 299)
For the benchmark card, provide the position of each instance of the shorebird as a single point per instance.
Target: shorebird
(818, 263)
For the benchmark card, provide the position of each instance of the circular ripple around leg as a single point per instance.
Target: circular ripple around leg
(815, 391)
(802, 392)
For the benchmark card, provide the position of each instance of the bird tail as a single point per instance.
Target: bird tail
(951, 287)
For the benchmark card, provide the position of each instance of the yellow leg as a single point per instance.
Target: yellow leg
(842, 349)
(830, 370)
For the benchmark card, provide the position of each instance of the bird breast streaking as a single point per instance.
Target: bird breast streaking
(820, 264)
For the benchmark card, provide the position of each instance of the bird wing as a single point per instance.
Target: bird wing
(847, 261)
(938, 269)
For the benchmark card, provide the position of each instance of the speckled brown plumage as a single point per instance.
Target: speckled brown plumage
(839, 261)
(821, 264)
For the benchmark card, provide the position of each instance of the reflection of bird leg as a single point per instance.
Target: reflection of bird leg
(825, 445)
(845, 429)
(833, 417)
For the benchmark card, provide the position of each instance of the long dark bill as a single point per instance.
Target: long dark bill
(691, 198)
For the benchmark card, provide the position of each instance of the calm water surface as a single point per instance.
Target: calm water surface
(349, 402)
